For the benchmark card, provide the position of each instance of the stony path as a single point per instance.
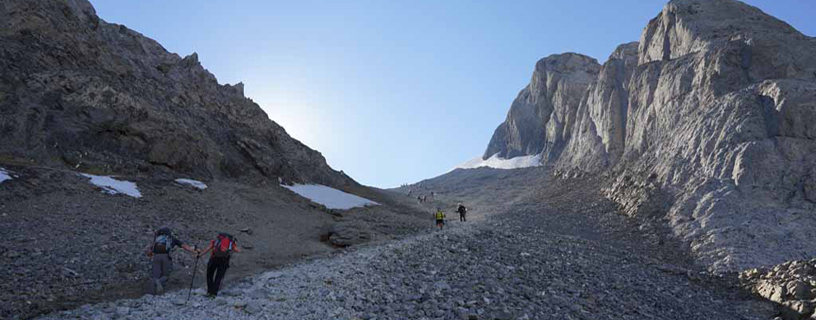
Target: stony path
(513, 265)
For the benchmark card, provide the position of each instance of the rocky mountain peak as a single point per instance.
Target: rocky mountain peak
(690, 26)
(80, 93)
(577, 67)
(553, 92)
(714, 103)
(625, 51)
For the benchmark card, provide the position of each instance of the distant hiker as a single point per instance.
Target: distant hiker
(419, 199)
(462, 211)
(222, 248)
(424, 198)
(440, 218)
(410, 191)
(159, 250)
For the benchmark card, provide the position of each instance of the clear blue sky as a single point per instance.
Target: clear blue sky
(396, 91)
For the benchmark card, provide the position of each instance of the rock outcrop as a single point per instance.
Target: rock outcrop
(708, 123)
(792, 285)
(541, 118)
(78, 92)
(599, 136)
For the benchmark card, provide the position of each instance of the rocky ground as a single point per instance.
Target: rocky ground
(562, 252)
(66, 243)
(792, 285)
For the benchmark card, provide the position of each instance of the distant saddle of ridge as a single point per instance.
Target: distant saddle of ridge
(80, 93)
(708, 123)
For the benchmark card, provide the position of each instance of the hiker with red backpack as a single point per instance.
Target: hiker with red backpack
(222, 248)
(159, 251)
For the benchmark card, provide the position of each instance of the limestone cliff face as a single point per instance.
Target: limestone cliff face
(78, 92)
(721, 117)
(541, 118)
(710, 125)
(598, 138)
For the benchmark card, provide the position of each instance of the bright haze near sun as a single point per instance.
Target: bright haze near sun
(392, 92)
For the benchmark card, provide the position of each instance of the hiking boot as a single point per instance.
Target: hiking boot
(159, 286)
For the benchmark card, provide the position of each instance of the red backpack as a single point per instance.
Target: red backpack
(222, 245)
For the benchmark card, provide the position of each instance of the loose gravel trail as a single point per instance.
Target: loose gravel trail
(552, 256)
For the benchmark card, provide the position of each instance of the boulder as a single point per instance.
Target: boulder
(798, 290)
(349, 233)
(253, 307)
(797, 310)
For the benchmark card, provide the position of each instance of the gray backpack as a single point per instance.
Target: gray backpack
(163, 242)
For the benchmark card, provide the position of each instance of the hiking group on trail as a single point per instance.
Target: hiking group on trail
(424, 198)
(220, 249)
(441, 218)
(439, 215)
(162, 263)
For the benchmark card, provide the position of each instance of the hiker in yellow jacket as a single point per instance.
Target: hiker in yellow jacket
(440, 218)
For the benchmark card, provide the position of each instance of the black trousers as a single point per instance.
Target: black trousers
(216, 269)
(462, 216)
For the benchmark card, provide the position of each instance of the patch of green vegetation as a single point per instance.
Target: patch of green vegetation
(11, 160)
(95, 170)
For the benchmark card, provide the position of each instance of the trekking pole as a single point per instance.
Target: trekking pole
(195, 270)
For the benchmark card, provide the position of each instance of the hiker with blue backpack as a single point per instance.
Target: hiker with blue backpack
(159, 250)
(222, 248)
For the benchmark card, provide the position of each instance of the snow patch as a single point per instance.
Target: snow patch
(112, 186)
(4, 175)
(329, 197)
(498, 162)
(194, 183)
